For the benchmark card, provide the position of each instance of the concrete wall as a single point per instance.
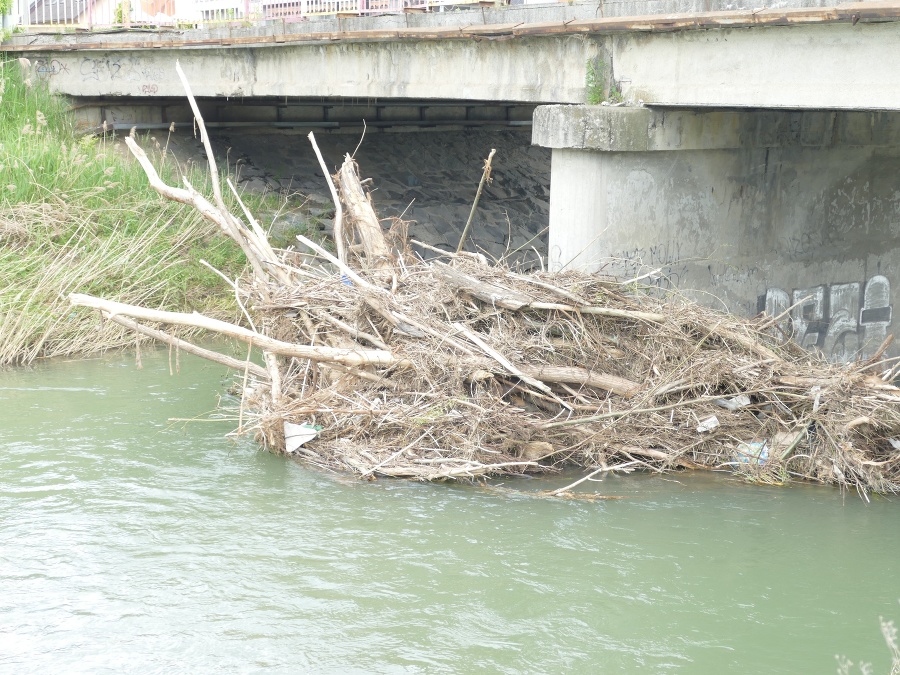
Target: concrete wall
(749, 221)
(527, 70)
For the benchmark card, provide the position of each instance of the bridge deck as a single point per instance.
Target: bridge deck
(848, 13)
(842, 57)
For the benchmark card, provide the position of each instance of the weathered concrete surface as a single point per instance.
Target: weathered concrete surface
(461, 16)
(845, 57)
(519, 70)
(643, 129)
(748, 221)
(811, 66)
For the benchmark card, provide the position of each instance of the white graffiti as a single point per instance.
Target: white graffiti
(845, 321)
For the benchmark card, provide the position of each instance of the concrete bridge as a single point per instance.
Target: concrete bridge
(751, 154)
(843, 57)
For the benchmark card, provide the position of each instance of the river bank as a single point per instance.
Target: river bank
(76, 214)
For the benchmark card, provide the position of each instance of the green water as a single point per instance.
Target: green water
(129, 544)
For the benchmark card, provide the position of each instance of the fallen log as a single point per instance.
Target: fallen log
(347, 357)
(582, 377)
(362, 219)
(185, 346)
(487, 292)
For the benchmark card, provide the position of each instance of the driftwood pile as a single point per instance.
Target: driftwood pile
(381, 363)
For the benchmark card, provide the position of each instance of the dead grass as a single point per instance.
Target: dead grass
(38, 270)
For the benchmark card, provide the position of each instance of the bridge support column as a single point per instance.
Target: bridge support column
(750, 210)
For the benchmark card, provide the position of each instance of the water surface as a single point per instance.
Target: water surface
(132, 544)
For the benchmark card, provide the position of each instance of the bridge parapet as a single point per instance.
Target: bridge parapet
(49, 15)
(104, 14)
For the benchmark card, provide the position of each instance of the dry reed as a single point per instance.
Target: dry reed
(38, 270)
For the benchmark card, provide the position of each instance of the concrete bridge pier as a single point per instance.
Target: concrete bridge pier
(751, 210)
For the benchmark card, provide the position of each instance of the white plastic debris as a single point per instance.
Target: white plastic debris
(295, 435)
(734, 403)
(817, 390)
(708, 424)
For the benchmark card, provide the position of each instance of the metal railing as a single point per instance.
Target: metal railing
(99, 14)
(288, 9)
(88, 14)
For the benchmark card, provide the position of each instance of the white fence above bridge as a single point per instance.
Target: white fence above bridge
(90, 14)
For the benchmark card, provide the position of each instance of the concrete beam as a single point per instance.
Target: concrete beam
(526, 70)
(827, 66)
(844, 57)
(630, 129)
(124, 113)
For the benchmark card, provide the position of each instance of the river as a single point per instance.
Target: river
(134, 544)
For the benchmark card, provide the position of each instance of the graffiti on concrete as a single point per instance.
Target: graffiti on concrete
(47, 68)
(95, 69)
(843, 320)
(663, 259)
(116, 68)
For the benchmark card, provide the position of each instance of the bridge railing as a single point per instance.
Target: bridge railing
(290, 9)
(89, 14)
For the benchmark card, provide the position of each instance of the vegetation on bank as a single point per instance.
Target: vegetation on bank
(77, 214)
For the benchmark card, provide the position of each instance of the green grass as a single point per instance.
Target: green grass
(77, 215)
(596, 88)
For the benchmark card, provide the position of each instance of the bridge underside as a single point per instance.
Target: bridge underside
(317, 113)
(748, 210)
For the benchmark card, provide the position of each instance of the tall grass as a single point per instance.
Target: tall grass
(77, 214)
(42, 158)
